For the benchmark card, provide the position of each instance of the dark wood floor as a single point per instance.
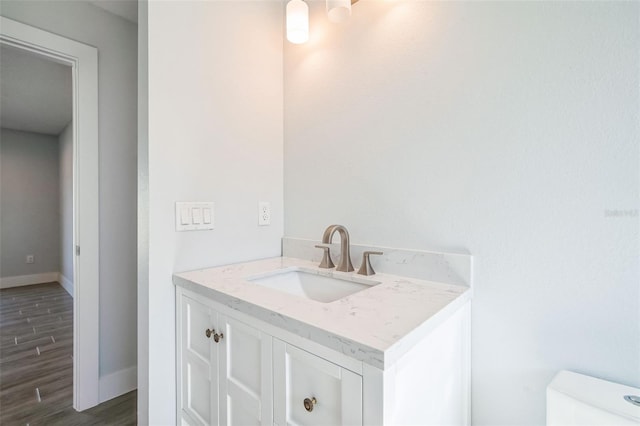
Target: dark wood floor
(36, 362)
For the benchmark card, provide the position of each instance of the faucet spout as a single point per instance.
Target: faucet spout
(344, 265)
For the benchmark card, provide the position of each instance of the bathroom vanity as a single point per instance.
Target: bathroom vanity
(363, 350)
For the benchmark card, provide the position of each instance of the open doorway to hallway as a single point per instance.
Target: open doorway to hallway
(36, 236)
(37, 250)
(100, 48)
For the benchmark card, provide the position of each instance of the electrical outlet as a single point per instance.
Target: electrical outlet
(264, 213)
(31, 258)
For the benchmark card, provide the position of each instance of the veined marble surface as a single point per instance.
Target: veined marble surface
(376, 326)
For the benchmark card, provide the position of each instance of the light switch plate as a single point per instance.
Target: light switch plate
(194, 216)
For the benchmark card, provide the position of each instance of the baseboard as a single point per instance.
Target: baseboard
(118, 383)
(66, 283)
(21, 280)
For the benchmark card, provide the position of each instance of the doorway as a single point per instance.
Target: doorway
(83, 62)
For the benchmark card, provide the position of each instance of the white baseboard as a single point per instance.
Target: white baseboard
(21, 280)
(118, 383)
(66, 283)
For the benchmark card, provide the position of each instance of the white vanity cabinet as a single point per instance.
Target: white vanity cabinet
(233, 374)
(257, 373)
(225, 369)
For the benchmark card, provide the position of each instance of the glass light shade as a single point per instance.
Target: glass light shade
(338, 10)
(297, 22)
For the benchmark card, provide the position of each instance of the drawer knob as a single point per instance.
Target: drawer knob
(309, 403)
(217, 337)
(208, 333)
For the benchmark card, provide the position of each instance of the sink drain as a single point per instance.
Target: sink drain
(634, 399)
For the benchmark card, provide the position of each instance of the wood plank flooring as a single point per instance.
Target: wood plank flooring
(36, 362)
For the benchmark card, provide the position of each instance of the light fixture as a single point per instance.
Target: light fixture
(297, 22)
(338, 11)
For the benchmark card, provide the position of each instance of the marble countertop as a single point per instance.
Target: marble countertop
(376, 326)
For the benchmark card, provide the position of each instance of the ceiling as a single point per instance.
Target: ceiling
(35, 93)
(127, 9)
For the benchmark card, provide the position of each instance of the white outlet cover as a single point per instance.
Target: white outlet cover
(264, 213)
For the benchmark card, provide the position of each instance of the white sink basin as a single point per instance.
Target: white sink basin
(311, 285)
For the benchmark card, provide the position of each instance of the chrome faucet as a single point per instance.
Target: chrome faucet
(345, 257)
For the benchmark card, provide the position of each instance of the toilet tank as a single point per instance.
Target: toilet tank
(576, 399)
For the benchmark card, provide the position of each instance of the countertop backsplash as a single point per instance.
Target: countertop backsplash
(451, 268)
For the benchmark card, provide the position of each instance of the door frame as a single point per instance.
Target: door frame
(83, 60)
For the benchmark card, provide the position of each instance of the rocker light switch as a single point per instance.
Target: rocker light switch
(194, 216)
(184, 216)
(206, 215)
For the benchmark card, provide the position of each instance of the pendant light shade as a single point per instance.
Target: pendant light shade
(338, 10)
(297, 22)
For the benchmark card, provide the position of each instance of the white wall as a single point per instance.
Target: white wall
(506, 129)
(65, 166)
(116, 41)
(29, 203)
(214, 134)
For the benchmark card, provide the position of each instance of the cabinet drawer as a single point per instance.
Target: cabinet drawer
(333, 394)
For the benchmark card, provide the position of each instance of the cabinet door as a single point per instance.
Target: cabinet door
(245, 375)
(197, 363)
(333, 394)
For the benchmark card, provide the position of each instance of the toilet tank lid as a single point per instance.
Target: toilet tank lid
(599, 393)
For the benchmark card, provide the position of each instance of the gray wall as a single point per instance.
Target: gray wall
(29, 214)
(143, 214)
(116, 41)
(65, 161)
(506, 129)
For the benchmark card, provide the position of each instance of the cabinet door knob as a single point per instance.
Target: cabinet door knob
(217, 337)
(208, 333)
(309, 403)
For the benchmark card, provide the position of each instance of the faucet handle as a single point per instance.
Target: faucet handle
(365, 266)
(326, 262)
